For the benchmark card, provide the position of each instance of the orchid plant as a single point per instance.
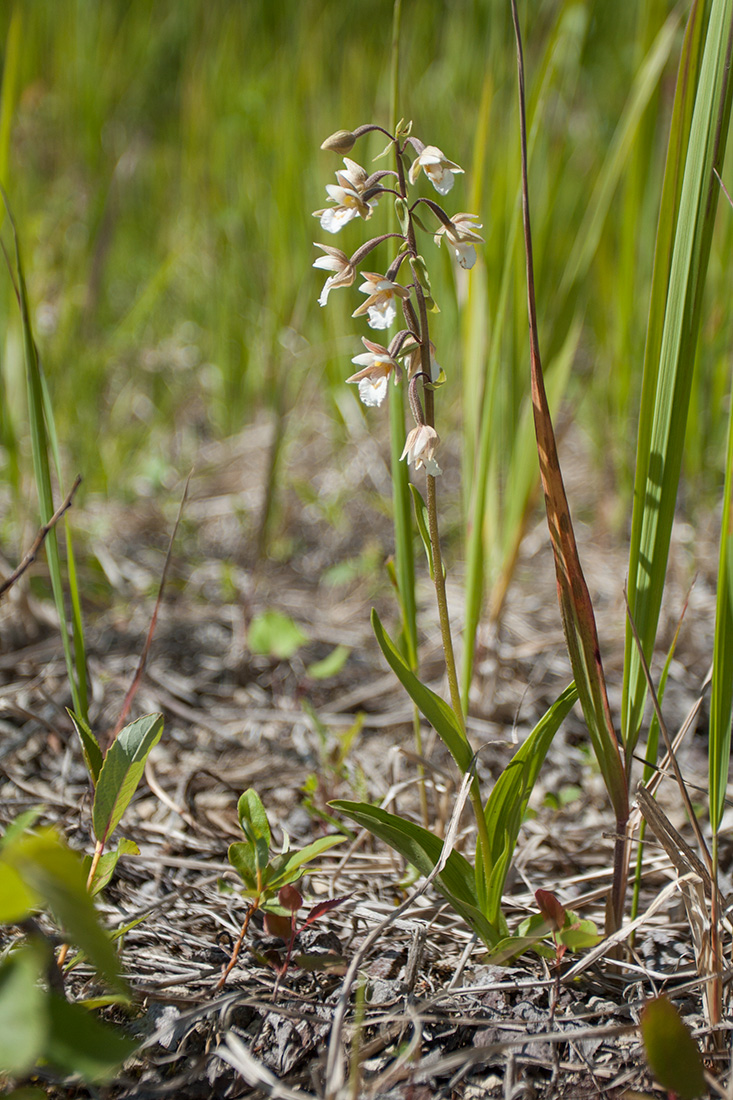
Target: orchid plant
(409, 358)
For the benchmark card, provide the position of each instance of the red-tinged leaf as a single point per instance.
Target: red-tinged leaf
(551, 908)
(671, 1051)
(278, 925)
(290, 898)
(323, 907)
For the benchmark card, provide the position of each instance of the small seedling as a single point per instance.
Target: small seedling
(265, 875)
(567, 930)
(114, 777)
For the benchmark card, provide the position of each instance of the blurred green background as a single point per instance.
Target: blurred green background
(162, 162)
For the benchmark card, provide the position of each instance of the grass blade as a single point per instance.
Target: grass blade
(697, 146)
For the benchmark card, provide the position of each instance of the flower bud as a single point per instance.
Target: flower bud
(340, 142)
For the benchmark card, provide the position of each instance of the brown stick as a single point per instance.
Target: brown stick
(38, 541)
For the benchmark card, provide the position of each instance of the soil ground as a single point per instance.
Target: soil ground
(435, 1018)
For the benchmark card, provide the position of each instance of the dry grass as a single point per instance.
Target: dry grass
(438, 1021)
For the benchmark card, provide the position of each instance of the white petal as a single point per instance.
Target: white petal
(364, 360)
(373, 391)
(328, 263)
(382, 314)
(333, 220)
(441, 180)
(466, 255)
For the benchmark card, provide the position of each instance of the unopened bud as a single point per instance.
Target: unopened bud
(340, 142)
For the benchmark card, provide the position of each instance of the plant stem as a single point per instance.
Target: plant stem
(237, 946)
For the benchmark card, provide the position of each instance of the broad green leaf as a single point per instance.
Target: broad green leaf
(121, 772)
(56, 874)
(421, 848)
(253, 817)
(89, 746)
(243, 860)
(23, 1013)
(108, 862)
(273, 634)
(435, 709)
(672, 1053)
(17, 900)
(287, 867)
(579, 934)
(80, 1043)
(508, 800)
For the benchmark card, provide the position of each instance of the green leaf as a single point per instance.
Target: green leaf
(273, 634)
(79, 1043)
(578, 934)
(435, 709)
(23, 1015)
(330, 665)
(89, 746)
(121, 772)
(56, 875)
(421, 848)
(507, 802)
(108, 862)
(17, 900)
(697, 144)
(671, 1051)
(421, 518)
(253, 817)
(286, 867)
(243, 860)
(721, 688)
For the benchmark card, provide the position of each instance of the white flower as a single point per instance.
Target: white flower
(413, 360)
(347, 199)
(420, 447)
(355, 176)
(463, 237)
(380, 305)
(377, 366)
(438, 169)
(337, 261)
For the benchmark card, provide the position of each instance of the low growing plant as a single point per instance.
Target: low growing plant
(268, 878)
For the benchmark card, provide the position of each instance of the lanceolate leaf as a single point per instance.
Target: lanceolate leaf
(721, 690)
(689, 202)
(253, 817)
(508, 800)
(423, 849)
(287, 867)
(435, 709)
(121, 772)
(89, 746)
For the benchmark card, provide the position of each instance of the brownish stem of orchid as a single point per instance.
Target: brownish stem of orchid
(237, 948)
